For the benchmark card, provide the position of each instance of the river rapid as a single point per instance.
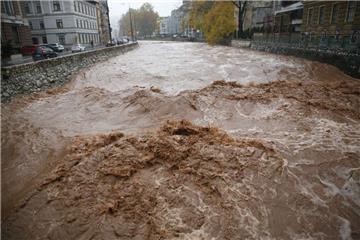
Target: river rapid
(186, 141)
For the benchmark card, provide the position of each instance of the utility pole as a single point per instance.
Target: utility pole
(131, 27)
(135, 33)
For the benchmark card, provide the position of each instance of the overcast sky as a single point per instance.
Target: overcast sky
(119, 7)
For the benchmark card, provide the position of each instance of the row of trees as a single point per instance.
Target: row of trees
(214, 18)
(143, 20)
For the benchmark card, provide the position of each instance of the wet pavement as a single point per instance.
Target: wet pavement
(269, 149)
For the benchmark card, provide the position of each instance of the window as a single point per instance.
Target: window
(81, 25)
(321, 15)
(38, 7)
(27, 8)
(8, 8)
(15, 35)
(35, 40)
(281, 23)
(77, 23)
(310, 16)
(56, 6)
(59, 23)
(350, 12)
(31, 25)
(82, 8)
(62, 39)
(42, 25)
(75, 4)
(334, 13)
(44, 40)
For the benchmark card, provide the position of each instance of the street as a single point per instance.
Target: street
(181, 140)
(28, 59)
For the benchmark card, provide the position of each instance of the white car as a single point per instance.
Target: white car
(77, 48)
(57, 47)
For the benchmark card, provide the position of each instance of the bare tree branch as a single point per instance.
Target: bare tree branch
(236, 4)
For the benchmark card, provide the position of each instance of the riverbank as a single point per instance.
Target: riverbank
(38, 76)
(152, 144)
(348, 62)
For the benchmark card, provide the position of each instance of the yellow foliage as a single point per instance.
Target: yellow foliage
(219, 22)
(198, 11)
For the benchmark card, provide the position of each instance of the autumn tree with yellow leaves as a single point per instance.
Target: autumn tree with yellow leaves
(215, 19)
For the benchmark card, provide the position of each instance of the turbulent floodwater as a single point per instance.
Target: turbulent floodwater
(186, 141)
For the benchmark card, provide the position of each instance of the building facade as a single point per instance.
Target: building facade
(175, 22)
(103, 20)
(64, 22)
(331, 18)
(164, 26)
(289, 18)
(15, 31)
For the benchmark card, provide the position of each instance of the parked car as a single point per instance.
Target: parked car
(43, 52)
(28, 50)
(111, 44)
(56, 47)
(77, 48)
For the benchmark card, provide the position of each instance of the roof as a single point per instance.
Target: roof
(292, 7)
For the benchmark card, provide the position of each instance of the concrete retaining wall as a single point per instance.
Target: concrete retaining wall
(347, 62)
(37, 76)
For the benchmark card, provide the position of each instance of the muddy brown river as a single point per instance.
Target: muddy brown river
(186, 141)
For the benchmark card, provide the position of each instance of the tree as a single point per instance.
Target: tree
(241, 6)
(124, 23)
(145, 19)
(198, 11)
(215, 19)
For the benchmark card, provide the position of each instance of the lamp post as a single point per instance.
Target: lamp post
(131, 27)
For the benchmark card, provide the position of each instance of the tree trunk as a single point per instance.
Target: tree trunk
(240, 25)
(241, 5)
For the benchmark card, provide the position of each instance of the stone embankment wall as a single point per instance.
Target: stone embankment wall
(240, 43)
(37, 76)
(345, 61)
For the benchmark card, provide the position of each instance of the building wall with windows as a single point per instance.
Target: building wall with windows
(174, 22)
(289, 17)
(164, 26)
(331, 18)
(64, 22)
(14, 27)
(103, 21)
